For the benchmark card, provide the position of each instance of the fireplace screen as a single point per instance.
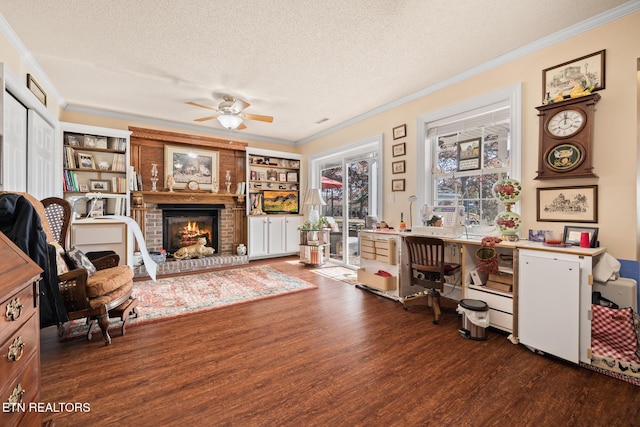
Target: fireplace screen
(183, 227)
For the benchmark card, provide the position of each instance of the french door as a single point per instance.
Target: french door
(349, 184)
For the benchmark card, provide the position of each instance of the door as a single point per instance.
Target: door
(549, 303)
(257, 235)
(348, 189)
(42, 159)
(276, 234)
(292, 235)
(14, 155)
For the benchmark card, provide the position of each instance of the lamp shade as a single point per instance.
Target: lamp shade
(314, 197)
(229, 121)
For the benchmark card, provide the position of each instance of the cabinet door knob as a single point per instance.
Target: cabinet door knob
(14, 309)
(16, 398)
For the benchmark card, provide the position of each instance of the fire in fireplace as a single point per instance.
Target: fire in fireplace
(183, 225)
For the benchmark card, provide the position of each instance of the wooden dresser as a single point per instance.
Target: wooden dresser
(19, 337)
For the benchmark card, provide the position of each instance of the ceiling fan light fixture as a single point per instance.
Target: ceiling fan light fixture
(229, 121)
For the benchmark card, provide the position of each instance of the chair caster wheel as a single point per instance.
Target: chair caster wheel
(435, 322)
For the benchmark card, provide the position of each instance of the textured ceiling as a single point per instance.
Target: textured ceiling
(299, 61)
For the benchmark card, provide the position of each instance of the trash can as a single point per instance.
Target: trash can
(475, 319)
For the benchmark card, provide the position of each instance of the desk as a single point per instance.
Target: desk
(504, 306)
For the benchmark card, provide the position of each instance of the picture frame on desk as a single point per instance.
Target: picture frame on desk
(571, 235)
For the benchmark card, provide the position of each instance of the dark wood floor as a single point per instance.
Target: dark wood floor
(332, 356)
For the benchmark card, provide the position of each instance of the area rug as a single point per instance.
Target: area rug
(339, 273)
(179, 296)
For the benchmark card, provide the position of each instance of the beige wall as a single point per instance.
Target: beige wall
(616, 128)
(615, 140)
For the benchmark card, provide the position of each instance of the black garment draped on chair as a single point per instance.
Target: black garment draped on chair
(20, 222)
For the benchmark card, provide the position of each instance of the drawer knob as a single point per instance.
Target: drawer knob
(14, 309)
(16, 398)
(16, 349)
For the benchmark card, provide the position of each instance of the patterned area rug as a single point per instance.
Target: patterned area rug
(178, 296)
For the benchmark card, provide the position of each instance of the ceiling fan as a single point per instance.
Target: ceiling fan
(230, 113)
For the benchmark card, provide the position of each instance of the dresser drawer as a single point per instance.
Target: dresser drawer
(28, 335)
(501, 320)
(27, 385)
(22, 307)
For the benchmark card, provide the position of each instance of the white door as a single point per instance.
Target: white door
(14, 155)
(276, 234)
(292, 234)
(43, 178)
(548, 307)
(257, 245)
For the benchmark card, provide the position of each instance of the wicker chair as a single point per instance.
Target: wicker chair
(91, 296)
(428, 270)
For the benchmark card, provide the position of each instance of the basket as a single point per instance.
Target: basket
(487, 260)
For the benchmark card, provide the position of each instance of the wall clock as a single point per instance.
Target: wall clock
(566, 138)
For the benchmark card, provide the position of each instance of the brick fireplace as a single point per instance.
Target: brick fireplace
(155, 227)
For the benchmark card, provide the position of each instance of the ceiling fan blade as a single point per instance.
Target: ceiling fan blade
(267, 119)
(239, 105)
(242, 126)
(195, 104)
(204, 119)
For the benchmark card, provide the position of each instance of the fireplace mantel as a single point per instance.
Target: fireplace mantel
(139, 198)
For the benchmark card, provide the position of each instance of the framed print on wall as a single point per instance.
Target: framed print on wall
(397, 185)
(567, 204)
(398, 167)
(399, 149)
(189, 164)
(558, 79)
(399, 131)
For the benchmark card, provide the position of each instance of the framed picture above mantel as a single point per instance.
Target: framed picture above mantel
(191, 165)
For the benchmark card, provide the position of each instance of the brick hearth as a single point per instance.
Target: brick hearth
(191, 265)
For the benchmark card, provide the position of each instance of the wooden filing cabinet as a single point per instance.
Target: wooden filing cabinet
(19, 337)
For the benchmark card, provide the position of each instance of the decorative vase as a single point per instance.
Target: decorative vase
(242, 249)
(508, 191)
(154, 177)
(227, 181)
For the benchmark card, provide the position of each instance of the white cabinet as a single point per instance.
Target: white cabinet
(555, 301)
(273, 235)
(95, 235)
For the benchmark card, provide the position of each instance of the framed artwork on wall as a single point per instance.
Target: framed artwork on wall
(399, 149)
(560, 79)
(398, 167)
(189, 164)
(567, 204)
(399, 131)
(397, 185)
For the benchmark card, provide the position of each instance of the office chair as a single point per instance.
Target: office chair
(428, 270)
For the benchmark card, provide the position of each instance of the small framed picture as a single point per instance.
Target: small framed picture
(397, 185)
(253, 176)
(282, 176)
(571, 235)
(96, 208)
(35, 88)
(90, 141)
(85, 161)
(98, 185)
(399, 149)
(292, 176)
(101, 142)
(73, 141)
(84, 187)
(262, 176)
(398, 167)
(399, 131)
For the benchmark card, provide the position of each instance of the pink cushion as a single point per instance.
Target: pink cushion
(104, 281)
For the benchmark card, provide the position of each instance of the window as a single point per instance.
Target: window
(467, 148)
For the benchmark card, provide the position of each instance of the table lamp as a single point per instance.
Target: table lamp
(313, 198)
